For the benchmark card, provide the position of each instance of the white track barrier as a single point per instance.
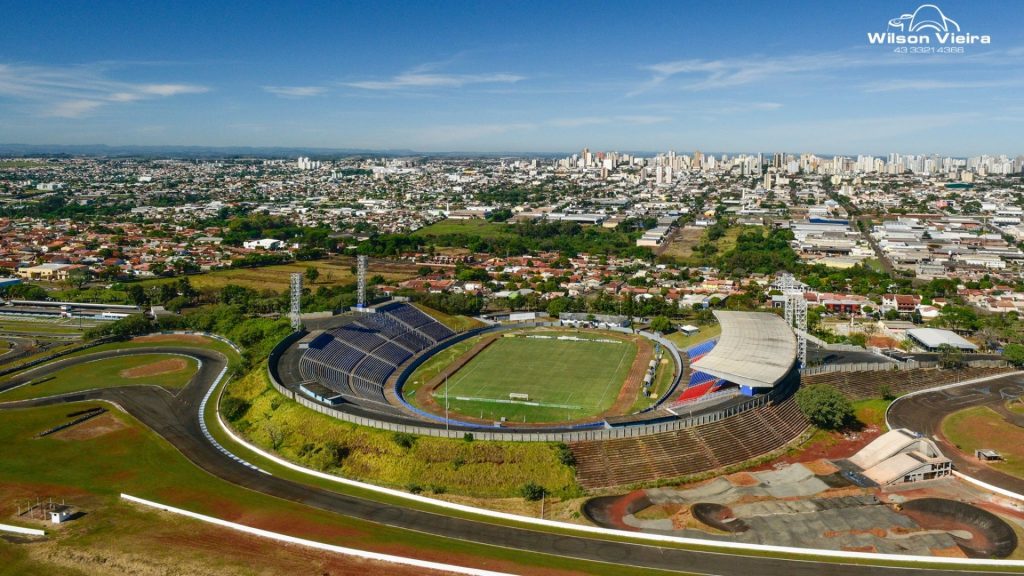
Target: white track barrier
(962, 476)
(451, 568)
(736, 547)
(20, 530)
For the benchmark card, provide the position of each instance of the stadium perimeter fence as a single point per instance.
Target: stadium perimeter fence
(495, 433)
(893, 366)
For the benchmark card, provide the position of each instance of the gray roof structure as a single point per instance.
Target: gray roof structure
(932, 338)
(755, 349)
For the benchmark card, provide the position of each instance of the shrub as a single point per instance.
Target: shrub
(825, 406)
(468, 437)
(404, 439)
(1014, 354)
(565, 455)
(414, 488)
(885, 391)
(233, 408)
(532, 491)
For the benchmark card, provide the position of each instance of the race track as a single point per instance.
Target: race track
(176, 419)
(924, 413)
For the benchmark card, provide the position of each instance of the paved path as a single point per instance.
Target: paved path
(176, 419)
(924, 413)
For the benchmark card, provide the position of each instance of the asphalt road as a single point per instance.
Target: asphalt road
(176, 419)
(924, 413)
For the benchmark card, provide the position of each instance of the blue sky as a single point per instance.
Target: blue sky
(517, 76)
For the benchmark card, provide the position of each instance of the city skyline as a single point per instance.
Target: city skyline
(509, 78)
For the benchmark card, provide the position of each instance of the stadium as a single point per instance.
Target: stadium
(608, 392)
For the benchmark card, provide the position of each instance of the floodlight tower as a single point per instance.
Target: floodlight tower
(296, 301)
(361, 279)
(796, 313)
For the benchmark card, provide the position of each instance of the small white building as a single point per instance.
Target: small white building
(60, 514)
(263, 244)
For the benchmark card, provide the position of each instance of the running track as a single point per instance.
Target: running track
(176, 419)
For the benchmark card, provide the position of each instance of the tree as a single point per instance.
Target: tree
(950, 357)
(312, 274)
(1014, 354)
(825, 406)
(661, 324)
(79, 277)
(137, 295)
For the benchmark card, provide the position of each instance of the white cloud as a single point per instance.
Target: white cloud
(581, 121)
(600, 120)
(928, 84)
(74, 92)
(295, 91)
(74, 108)
(418, 79)
(698, 74)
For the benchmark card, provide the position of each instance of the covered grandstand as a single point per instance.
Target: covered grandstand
(356, 359)
(755, 352)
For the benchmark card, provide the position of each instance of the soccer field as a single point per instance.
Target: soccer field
(565, 379)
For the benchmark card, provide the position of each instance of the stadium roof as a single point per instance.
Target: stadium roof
(932, 338)
(756, 349)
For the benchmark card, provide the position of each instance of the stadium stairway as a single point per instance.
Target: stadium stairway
(862, 385)
(689, 451)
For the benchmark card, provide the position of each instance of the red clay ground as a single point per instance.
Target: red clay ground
(834, 446)
(92, 428)
(191, 338)
(634, 380)
(168, 366)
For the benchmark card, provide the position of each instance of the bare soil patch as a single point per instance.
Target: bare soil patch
(191, 338)
(742, 479)
(93, 428)
(821, 467)
(168, 366)
(635, 380)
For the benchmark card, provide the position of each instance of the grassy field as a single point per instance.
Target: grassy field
(683, 341)
(117, 538)
(682, 246)
(661, 383)
(456, 323)
(483, 469)
(568, 379)
(434, 366)
(982, 427)
(874, 263)
(149, 369)
(871, 412)
(333, 272)
(474, 227)
(56, 327)
(683, 242)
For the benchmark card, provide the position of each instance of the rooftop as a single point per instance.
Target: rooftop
(934, 337)
(756, 349)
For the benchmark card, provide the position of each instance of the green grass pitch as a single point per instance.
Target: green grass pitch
(567, 379)
(104, 373)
